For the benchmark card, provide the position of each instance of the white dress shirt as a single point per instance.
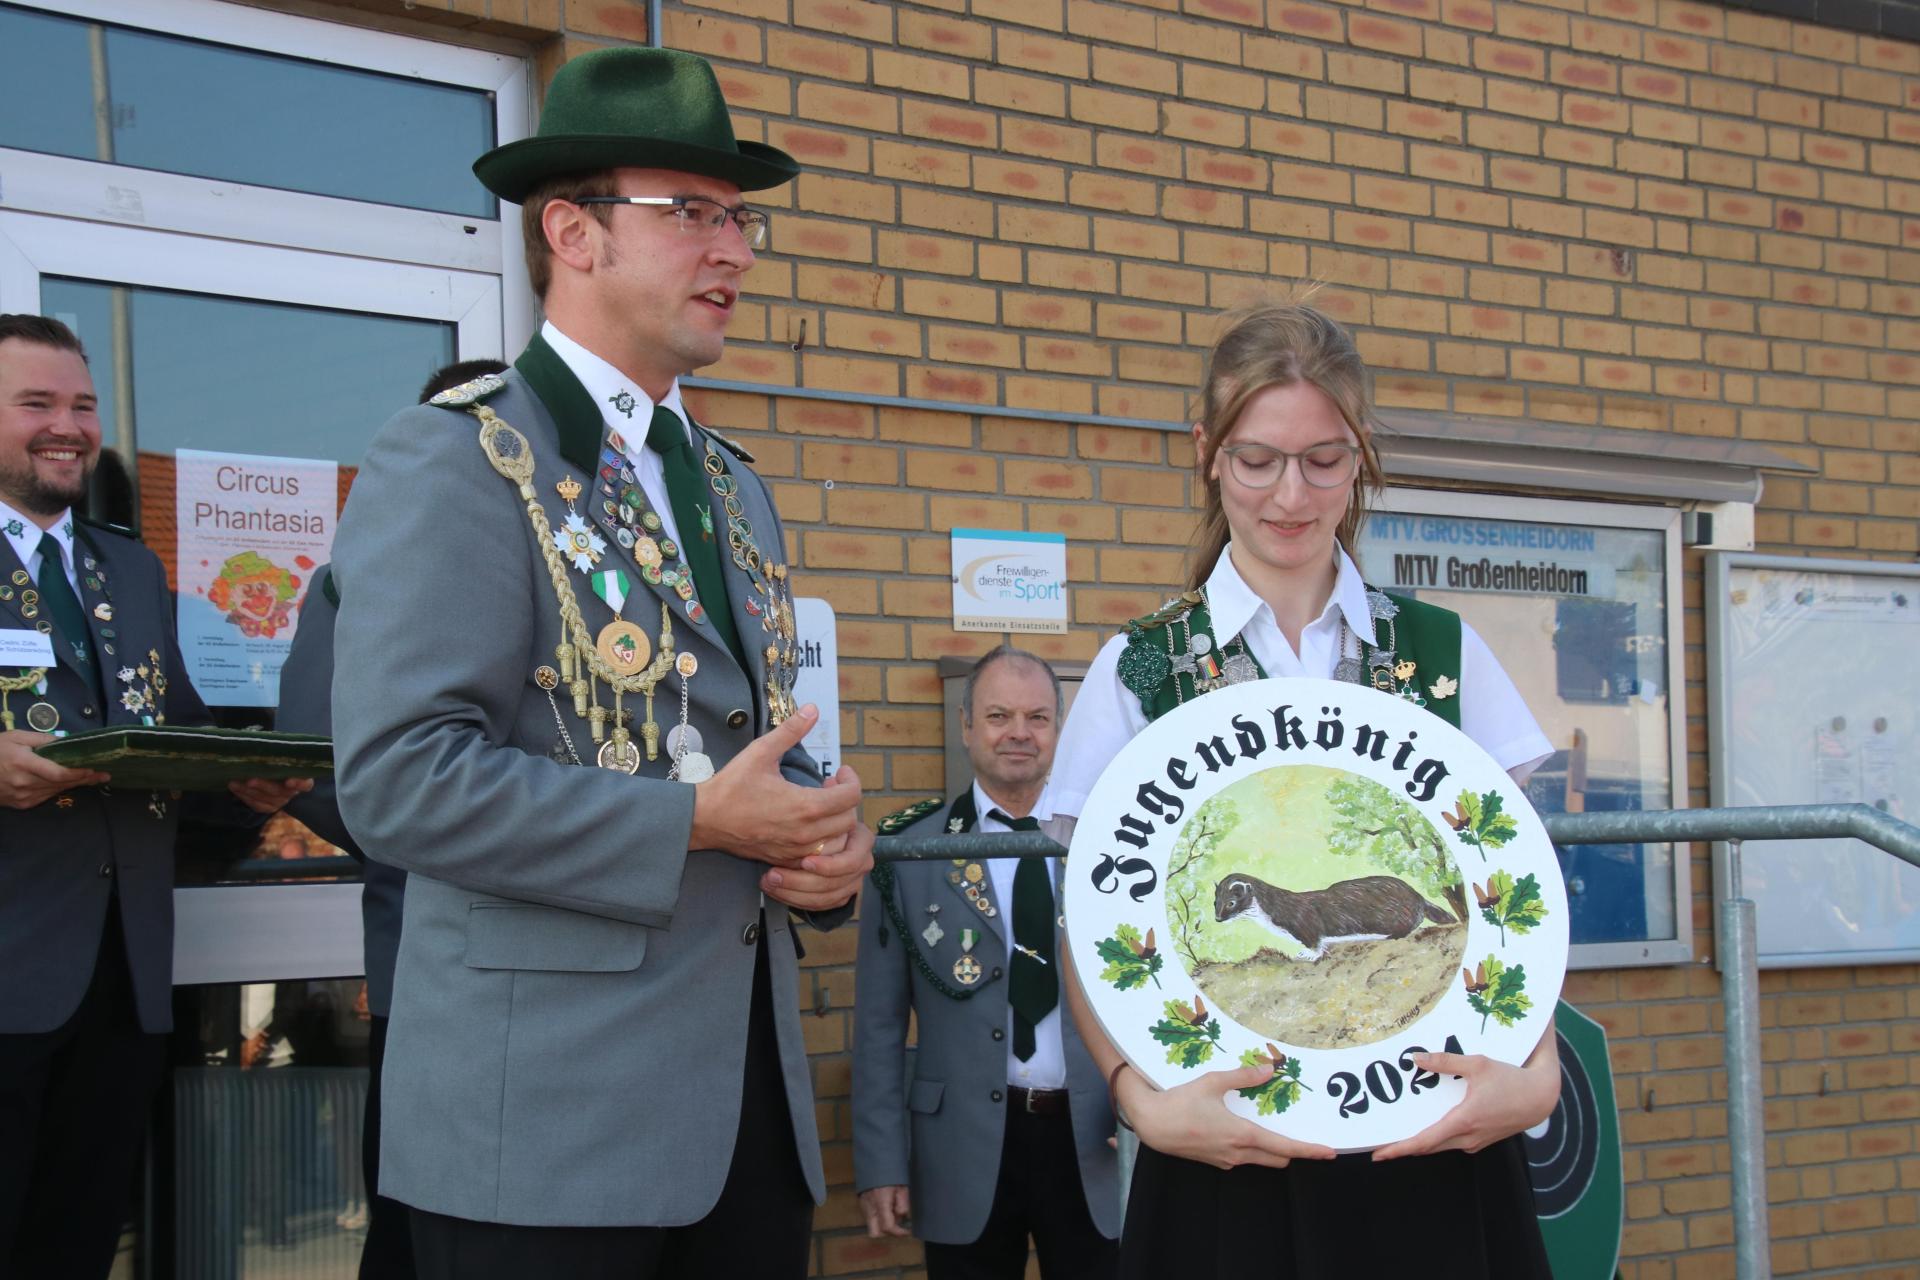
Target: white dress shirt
(26, 542)
(1047, 1068)
(605, 383)
(1106, 714)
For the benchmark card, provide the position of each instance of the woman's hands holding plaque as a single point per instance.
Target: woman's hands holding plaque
(1192, 1121)
(1501, 1100)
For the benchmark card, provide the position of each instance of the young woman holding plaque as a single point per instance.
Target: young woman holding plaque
(1286, 462)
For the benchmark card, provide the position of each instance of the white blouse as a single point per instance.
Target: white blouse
(1106, 714)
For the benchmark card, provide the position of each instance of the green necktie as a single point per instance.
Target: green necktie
(69, 619)
(1032, 988)
(687, 491)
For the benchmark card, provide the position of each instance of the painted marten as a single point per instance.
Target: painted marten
(1363, 910)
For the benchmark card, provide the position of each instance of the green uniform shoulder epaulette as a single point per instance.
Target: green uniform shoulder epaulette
(737, 450)
(471, 392)
(894, 822)
(1170, 612)
(120, 529)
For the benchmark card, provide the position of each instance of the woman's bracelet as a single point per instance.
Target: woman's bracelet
(1113, 1078)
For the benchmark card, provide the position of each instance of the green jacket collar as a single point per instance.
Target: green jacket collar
(963, 812)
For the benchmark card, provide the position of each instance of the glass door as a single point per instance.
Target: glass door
(202, 344)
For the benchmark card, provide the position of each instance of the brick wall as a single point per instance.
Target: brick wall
(1649, 214)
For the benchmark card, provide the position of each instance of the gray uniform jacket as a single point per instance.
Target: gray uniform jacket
(572, 991)
(306, 706)
(940, 1133)
(60, 861)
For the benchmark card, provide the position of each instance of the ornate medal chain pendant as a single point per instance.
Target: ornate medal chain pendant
(1240, 666)
(966, 970)
(690, 764)
(576, 539)
(782, 655)
(622, 645)
(1348, 669)
(27, 679)
(548, 679)
(1380, 658)
(1180, 663)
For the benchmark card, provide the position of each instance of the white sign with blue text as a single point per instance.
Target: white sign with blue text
(1007, 580)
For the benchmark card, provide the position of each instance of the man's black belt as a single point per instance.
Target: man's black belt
(1039, 1102)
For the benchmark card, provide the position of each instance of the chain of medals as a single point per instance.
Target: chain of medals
(772, 601)
(617, 657)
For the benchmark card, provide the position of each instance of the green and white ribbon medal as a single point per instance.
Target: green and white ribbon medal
(611, 585)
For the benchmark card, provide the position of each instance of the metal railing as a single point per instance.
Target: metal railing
(1738, 958)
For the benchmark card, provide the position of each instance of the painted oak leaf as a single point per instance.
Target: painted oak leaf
(1131, 962)
(1479, 820)
(1281, 1089)
(1189, 1033)
(1511, 904)
(1497, 992)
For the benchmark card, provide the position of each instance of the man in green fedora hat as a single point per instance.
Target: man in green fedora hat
(563, 703)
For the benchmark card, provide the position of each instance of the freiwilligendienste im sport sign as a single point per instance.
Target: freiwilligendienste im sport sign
(1324, 876)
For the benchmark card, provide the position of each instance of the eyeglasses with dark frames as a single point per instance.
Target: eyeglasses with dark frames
(1324, 466)
(702, 216)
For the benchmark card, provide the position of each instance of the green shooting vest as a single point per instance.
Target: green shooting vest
(1414, 653)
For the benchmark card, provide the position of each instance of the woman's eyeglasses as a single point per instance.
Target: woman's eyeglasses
(1325, 466)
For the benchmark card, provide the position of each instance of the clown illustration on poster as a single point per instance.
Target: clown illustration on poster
(1321, 876)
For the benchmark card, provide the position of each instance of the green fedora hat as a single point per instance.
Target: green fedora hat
(641, 107)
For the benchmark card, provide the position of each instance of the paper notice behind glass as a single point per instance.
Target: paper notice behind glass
(1820, 696)
(252, 531)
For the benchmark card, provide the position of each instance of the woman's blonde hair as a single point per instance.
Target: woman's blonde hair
(1277, 344)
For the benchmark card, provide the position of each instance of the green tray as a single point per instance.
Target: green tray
(169, 758)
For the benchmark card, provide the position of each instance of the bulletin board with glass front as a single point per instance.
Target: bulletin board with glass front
(1580, 602)
(1812, 694)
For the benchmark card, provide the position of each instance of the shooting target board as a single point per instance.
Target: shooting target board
(1573, 1157)
(1324, 876)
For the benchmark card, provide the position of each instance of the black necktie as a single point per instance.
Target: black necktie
(667, 436)
(1032, 988)
(69, 619)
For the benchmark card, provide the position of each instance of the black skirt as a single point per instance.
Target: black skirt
(1448, 1216)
